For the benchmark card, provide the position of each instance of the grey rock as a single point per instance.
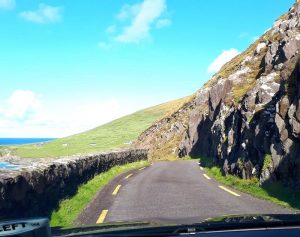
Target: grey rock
(248, 169)
(283, 106)
(265, 176)
(287, 144)
(277, 153)
(279, 123)
(272, 51)
(291, 112)
(297, 9)
(298, 113)
(291, 48)
(295, 128)
(226, 167)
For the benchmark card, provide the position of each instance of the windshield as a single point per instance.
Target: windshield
(149, 111)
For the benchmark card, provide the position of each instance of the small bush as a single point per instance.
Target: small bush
(267, 162)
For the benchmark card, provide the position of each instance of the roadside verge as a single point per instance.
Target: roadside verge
(275, 192)
(70, 208)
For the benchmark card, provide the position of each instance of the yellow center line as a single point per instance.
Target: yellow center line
(102, 217)
(206, 176)
(201, 168)
(116, 190)
(229, 191)
(128, 176)
(142, 168)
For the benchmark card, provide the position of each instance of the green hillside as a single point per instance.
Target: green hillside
(116, 134)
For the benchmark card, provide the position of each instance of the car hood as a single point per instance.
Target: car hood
(160, 226)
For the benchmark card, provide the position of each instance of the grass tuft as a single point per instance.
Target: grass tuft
(267, 162)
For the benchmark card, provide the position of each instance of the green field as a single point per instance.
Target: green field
(116, 134)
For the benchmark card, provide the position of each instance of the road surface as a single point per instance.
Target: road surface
(172, 192)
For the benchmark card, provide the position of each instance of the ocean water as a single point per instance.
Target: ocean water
(6, 165)
(19, 141)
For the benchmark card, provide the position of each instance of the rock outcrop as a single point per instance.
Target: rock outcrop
(37, 189)
(247, 117)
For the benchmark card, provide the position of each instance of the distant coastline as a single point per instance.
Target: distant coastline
(21, 141)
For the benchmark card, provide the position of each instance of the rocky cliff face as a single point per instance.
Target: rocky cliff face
(247, 117)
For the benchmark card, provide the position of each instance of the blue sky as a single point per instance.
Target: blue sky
(67, 66)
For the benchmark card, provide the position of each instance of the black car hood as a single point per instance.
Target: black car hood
(210, 224)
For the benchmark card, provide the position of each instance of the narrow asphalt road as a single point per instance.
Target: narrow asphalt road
(173, 192)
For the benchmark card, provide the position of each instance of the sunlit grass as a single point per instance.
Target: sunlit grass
(275, 192)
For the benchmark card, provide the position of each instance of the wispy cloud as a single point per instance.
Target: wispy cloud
(24, 113)
(44, 14)
(129, 11)
(7, 4)
(135, 22)
(223, 58)
(20, 103)
(140, 26)
(163, 23)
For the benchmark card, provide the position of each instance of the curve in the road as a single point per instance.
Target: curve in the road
(174, 192)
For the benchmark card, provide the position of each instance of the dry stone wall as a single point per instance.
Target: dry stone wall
(36, 189)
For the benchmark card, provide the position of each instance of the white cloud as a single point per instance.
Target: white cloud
(163, 23)
(25, 114)
(135, 22)
(143, 16)
(7, 4)
(129, 11)
(44, 14)
(223, 58)
(89, 114)
(20, 103)
(92, 114)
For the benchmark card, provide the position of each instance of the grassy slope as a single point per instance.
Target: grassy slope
(106, 137)
(70, 208)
